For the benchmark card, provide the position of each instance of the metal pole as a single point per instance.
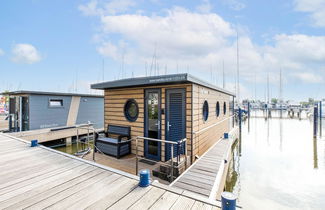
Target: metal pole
(88, 136)
(77, 140)
(315, 120)
(185, 154)
(249, 110)
(240, 121)
(172, 163)
(320, 118)
(136, 156)
(94, 142)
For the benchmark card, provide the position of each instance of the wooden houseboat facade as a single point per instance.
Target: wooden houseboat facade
(168, 107)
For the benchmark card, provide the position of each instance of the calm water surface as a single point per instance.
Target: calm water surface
(278, 165)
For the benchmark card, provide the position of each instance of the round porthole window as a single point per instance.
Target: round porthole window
(205, 111)
(218, 109)
(224, 108)
(131, 110)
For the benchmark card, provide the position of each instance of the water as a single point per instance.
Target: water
(72, 148)
(280, 166)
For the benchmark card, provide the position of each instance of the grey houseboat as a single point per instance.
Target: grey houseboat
(32, 110)
(168, 107)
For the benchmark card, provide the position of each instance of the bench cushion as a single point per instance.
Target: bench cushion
(108, 140)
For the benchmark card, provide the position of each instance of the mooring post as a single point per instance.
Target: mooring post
(320, 118)
(315, 120)
(34, 143)
(249, 110)
(228, 201)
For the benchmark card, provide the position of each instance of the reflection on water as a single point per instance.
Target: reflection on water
(73, 148)
(278, 165)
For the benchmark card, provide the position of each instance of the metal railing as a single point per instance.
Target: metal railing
(90, 129)
(172, 143)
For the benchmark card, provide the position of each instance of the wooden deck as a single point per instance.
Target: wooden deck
(204, 177)
(39, 177)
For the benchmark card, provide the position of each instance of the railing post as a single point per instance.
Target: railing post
(77, 140)
(185, 153)
(136, 156)
(94, 144)
(172, 164)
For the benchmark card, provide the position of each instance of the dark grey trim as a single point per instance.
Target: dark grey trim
(26, 92)
(157, 80)
(146, 92)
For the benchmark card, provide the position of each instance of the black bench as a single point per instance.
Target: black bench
(112, 146)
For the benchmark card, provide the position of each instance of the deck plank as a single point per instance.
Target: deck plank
(148, 199)
(183, 203)
(130, 198)
(41, 178)
(202, 176)
(166, 201)
(31, 200)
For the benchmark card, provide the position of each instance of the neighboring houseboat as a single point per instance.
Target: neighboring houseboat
(33, 110)
(169, 107)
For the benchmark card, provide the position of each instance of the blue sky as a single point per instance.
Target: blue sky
(62, 45)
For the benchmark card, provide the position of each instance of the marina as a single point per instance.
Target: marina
(162, 105)
(277, 167)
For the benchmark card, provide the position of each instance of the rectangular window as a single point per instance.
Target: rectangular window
(56, 103)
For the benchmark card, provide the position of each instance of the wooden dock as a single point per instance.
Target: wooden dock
(39, 177)
(206, 176)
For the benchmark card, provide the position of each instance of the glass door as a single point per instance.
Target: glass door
(152, 123)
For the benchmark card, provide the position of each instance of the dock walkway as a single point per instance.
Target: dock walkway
(39, 177)
(205, 176)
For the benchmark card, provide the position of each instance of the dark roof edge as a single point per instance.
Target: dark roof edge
(21, 92)
(157, 80)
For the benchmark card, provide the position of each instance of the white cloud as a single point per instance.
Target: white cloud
(316, 9)
(1, 52)
(205, 7)
(25, 53)
(234, 4)
(100, 8)
(308, 77)
(198, 41)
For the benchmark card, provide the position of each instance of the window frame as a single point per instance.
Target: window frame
(60, 100)
(127, 104)
(218, 109)
(224, 108)
(205, 113)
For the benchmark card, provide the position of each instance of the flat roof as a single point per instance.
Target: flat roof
(157, 80)
(27, 92)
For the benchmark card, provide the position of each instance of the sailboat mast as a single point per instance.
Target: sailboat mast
(238, 97)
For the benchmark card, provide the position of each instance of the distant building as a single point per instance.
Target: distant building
(31, 110)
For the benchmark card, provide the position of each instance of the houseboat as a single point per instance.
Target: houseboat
(34, 110)
(168, 108)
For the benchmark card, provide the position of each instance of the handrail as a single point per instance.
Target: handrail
(217, 123)
(172, 152)
(161, 140)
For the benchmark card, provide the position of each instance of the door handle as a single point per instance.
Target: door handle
(168, 125)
